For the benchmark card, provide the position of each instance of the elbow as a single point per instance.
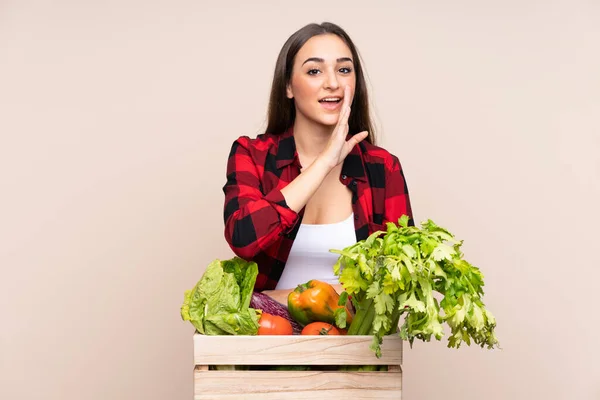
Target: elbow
(247, 253)
(241, 239)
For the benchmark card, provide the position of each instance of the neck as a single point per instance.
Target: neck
(310, 138)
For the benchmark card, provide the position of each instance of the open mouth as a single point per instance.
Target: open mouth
(331, 103)
(334, 100)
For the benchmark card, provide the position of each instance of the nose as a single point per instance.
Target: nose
(331, 82)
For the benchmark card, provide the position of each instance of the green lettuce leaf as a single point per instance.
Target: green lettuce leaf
(238, 323)
(219, 303)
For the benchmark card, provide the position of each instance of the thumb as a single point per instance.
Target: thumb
(354, 140)
(359, 137)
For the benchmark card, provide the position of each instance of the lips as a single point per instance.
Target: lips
(330, 105)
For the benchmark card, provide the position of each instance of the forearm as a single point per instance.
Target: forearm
(275, 217)
(300, 190)
(254, 219)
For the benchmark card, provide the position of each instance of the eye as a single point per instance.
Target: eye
(313, 71)
(346, 70)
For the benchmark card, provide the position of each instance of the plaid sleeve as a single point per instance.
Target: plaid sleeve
(397, 201)
(253, 220)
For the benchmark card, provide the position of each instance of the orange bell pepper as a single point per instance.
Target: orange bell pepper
(315, 301)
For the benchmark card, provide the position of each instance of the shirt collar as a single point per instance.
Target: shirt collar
(286, 154)
(286, 149)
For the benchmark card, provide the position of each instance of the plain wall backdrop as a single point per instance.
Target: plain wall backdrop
(116, 119)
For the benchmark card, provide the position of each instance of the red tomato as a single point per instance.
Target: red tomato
(320, 328)
(274, 325)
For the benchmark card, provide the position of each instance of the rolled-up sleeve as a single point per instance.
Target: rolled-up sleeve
(253, 220)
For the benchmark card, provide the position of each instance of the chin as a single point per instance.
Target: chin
(329, 120)
(320, 118)
(328, 124)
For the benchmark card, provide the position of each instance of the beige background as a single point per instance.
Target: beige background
(116, 118)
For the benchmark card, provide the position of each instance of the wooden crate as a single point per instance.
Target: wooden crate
(295, 350)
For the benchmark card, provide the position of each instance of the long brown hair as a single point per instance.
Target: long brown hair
(282, 111)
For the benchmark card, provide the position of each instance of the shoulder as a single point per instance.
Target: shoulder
(262, 142)
(378, 155)
(258, 148)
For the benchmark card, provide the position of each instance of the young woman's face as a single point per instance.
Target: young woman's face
(322, 68)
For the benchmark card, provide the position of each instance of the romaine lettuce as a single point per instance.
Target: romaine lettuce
(219, 303)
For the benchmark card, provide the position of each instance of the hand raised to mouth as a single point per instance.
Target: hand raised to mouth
(338, 147)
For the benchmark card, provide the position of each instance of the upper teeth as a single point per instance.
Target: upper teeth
(331, 99)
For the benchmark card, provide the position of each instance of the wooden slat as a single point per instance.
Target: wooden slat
(294, 350)
(296, 385)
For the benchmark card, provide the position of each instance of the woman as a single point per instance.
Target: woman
(314, 181)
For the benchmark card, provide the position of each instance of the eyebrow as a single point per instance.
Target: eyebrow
(320, 60)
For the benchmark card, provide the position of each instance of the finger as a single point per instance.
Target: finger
(356, 139)
(344, 115)
(347, 101)
(345, 111)
(342, 125)
(343, 121)
(346, 96)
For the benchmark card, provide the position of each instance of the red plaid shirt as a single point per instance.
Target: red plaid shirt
(260, 226)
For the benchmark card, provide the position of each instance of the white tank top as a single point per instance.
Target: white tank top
(310, 257)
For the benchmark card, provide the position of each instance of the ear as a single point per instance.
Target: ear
(288, 91)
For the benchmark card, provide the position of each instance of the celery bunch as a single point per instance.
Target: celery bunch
(395, 273)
